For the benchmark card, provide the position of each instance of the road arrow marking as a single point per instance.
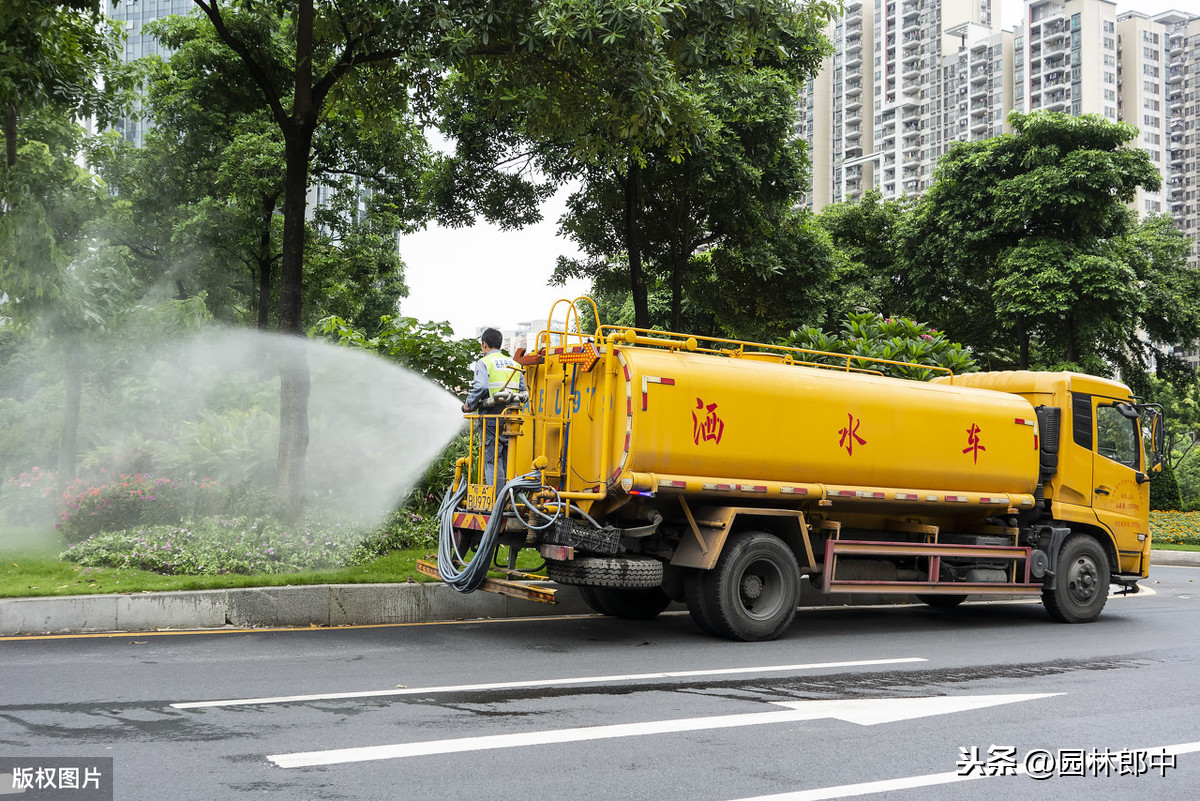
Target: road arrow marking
(863, 712)
(928, 780)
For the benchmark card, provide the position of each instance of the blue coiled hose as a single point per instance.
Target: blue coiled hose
(453, 569)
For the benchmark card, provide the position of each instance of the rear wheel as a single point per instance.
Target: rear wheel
(1081, 584)
(629, 604)
(591, 597)
(752, 592)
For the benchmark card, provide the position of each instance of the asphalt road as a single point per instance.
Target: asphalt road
(879, 702)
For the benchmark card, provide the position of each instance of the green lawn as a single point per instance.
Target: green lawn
(30, 567)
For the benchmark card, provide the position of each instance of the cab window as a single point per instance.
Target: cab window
(1117, 436)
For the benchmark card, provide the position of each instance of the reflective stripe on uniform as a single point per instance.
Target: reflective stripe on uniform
(503, 372)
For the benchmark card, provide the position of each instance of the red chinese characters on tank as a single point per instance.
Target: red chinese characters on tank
(850, 434)
(973, 443)
(706, 424)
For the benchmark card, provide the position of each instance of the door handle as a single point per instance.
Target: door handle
(1101, 491)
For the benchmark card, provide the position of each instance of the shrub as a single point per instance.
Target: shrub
(405, 528)
(29, 498)
(216, 545)
(129, 501)
(1164, 493)
(870, 336)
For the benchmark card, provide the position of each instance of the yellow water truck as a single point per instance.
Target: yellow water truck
(646, 466)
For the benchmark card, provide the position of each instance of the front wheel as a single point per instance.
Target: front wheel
(1081, 586)
(752, 592)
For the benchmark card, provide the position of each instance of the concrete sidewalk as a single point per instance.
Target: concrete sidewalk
(327, 605)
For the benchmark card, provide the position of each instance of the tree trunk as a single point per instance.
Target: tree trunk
(678, 265)
(637, 279)
(1023, 342)
(68, 443)
(294, 379)
(1072, 344)
(10, 135)
(264, 265)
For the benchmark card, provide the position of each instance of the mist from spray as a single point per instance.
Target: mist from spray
(374, 426)
(203, 409)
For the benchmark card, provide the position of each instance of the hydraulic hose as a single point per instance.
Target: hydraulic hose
(453, 569)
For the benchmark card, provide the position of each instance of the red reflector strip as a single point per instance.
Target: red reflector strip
(793, 491)
(1021, 421)
(994, 500)
(645, 400)
(956, 498)
(670, 382)
(846, 493)
(718, 487)
(907, 496)
(628, 439)
(678, 484)
(865, 494)
(753, 488)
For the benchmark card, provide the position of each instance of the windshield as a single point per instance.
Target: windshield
(1118, 437)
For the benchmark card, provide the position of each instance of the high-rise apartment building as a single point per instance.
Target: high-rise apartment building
(910, 77)
(134, 15)
(893, 96)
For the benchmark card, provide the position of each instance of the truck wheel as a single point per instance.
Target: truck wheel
(1081, 588)
(942, 601)
(629, 604)
(608, 572)
(591, 597)
(753, 591)
(693, 596)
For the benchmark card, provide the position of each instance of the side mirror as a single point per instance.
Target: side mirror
(1154, 420)
(1127, 410)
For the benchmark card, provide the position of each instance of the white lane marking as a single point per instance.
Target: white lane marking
(863, 712)
(511, 685)
(928, 780)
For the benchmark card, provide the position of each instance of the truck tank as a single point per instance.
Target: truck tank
(762, 420)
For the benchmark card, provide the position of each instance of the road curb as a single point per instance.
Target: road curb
(330, 605)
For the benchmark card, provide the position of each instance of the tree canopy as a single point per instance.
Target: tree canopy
(1016, 240)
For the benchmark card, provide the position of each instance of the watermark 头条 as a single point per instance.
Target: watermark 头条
(1043, 763)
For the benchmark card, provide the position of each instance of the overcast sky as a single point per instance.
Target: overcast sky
(482, 276)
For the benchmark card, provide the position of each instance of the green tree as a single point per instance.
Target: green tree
(673, 115)
(1017, 242)
(54, 52)
(864, 235)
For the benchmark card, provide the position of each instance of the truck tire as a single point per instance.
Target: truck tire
(753, 591)
(1081, 586)
(591, 597)
(693, 596)
(599, 571)
(942, 601)
(626, 604)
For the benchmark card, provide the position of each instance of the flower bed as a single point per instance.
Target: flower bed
(1175, 528)
(213, 545)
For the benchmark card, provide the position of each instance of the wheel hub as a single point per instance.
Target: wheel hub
(1083, 579)
(752, 587)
